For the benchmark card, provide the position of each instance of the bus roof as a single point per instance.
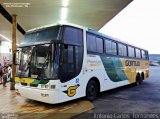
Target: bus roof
(82, 27)
(61, 24)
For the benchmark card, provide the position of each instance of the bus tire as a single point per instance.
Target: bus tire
(138, 79)
(142, 76)
(91, 90)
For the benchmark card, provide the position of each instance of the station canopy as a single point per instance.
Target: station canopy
(35, 13)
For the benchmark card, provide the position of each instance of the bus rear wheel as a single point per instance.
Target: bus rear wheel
(92, 90)
(138, 79)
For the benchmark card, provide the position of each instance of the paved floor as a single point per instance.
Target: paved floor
(13, 105)
(125, 100)
(131, 99)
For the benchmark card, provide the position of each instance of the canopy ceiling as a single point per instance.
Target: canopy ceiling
(34, 13)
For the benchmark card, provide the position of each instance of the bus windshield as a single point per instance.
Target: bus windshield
(39, 61)
(42, 35)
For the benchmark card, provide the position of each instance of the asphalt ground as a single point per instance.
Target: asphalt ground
(135, 102)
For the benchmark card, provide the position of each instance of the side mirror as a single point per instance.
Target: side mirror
(16, 57)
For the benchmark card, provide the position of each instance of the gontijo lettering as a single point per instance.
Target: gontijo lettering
(132, 63)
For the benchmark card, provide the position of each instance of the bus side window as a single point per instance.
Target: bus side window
(73, 36)
(70, 59)
(138, 53)
(122, 49)
(110, 47)
(131, 51)
(99, 45)
(114, 48)
(91, 40)
(94, 44)
(72, 53)
(144, 54)
(67, 69)
(71, 62)
(64, 57)
(147, 55)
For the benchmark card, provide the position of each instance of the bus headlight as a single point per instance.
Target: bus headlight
(44, 86)
(52, 86)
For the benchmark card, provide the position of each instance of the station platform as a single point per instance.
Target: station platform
(17, 107)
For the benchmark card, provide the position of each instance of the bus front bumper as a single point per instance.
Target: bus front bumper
(46, 96)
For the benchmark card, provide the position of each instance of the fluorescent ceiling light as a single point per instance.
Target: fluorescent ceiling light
(64, 12)
(5, 38)
(65, 3)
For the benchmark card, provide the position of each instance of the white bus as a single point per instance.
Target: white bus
(62, 62)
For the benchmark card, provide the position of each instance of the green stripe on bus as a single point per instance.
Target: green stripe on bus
(40, 81)
(114, 68)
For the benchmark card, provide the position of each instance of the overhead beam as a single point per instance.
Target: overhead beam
(9, 18)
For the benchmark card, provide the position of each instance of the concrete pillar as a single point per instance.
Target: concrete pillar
(0, 53)
(14, 28)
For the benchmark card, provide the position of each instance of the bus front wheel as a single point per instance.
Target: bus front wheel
(92, 90)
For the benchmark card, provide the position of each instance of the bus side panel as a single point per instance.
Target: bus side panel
(132, 67)
(115, 74)
(122, 71)
(73, 89)
(76, 87)
(111, 72)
